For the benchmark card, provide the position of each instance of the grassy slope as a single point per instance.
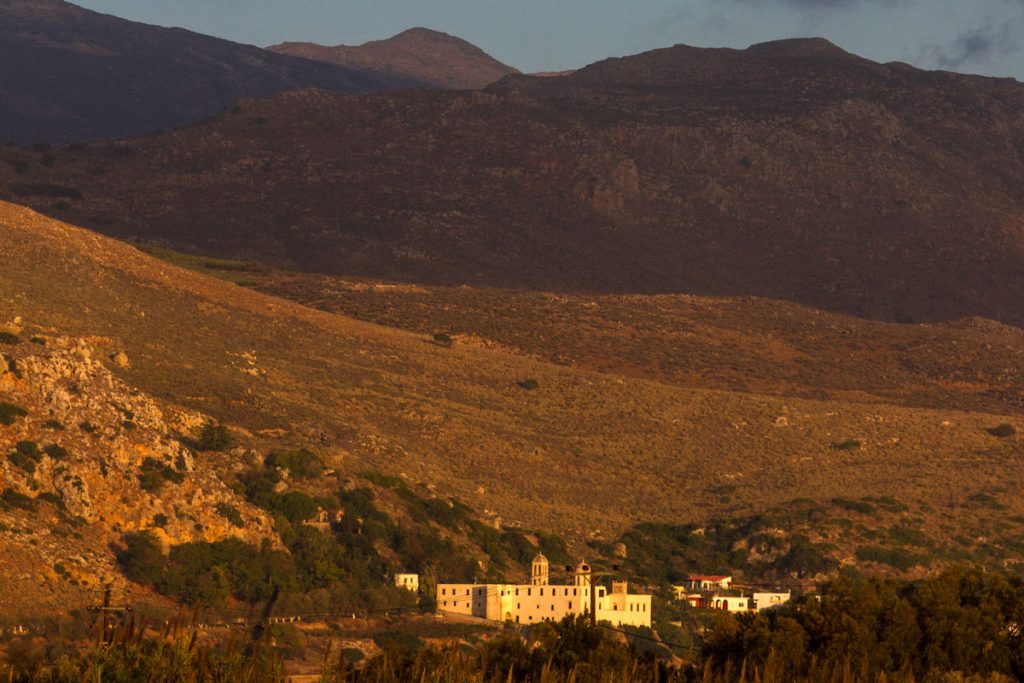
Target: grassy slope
(742, 344)
(585, 451)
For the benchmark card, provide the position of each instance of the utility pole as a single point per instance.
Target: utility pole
(105, 634)
(261, 625)
(593, 598)
(106, 614)
(591, 576)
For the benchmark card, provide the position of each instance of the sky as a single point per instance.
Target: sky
(971, 36)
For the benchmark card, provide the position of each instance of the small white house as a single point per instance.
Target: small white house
(410, 582)
(704, 582)
(729, 603)
(763, 601)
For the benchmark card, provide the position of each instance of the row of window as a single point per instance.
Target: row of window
(529, 591)
(632, 607)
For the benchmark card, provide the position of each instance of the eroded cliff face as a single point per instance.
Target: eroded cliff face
(84, 459)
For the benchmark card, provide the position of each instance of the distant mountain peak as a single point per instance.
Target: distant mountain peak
(420, 54)
(802, 47)
(71, 74)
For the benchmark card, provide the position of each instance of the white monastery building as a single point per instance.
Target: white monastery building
(540, 600)
(410, 582)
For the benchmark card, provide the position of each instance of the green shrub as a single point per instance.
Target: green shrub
(905, 536)
(160, 520)
(25, 456)
(231, 513)
(529, 383)
(22, 462)
(8, 338)
(12, 366)
(53, 425)
(53, 499)
(848, 445)
(87, 427)
(141, 559)
(301, 463)
(29, 449)
(10, 412)
(154, 473)
(854, 505)
(443, 339)
(215, 437)
(1002, 431)
(16, 499)
(396, 642)
(382, 480)
(56, 451)
(894, 557)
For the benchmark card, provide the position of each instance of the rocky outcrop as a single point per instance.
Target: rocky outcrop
(95, 458)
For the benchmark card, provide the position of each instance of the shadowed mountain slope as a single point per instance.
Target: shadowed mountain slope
(419, 54)
(69, 74)
(582, 452)
(789, 170)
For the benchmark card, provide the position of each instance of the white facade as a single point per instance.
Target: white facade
(729, 603)
(763, 601)
(536, 602)
(703, 583)
(410, 582)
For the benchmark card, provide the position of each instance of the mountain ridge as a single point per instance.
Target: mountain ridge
(432, 57)
(844, 185)
(70, 74)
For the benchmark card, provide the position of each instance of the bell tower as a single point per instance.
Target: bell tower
(539, 571)
(582, 577)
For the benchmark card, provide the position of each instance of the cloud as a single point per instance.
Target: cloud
(979, 45)
(825, 4)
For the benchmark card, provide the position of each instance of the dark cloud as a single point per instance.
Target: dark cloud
(980, 45)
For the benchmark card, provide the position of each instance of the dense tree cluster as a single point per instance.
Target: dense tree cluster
(965, 620)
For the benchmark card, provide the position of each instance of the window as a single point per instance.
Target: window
(467, 591)
(552, 607)
(517, 591)
(445, 603)
(570, 604)
(542, 591)
(574, 591)
(566, 591)
(444, 591)
(529, 591)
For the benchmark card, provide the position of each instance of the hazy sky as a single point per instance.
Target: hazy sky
(976, 36)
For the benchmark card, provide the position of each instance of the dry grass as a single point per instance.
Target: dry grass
(587, 451)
